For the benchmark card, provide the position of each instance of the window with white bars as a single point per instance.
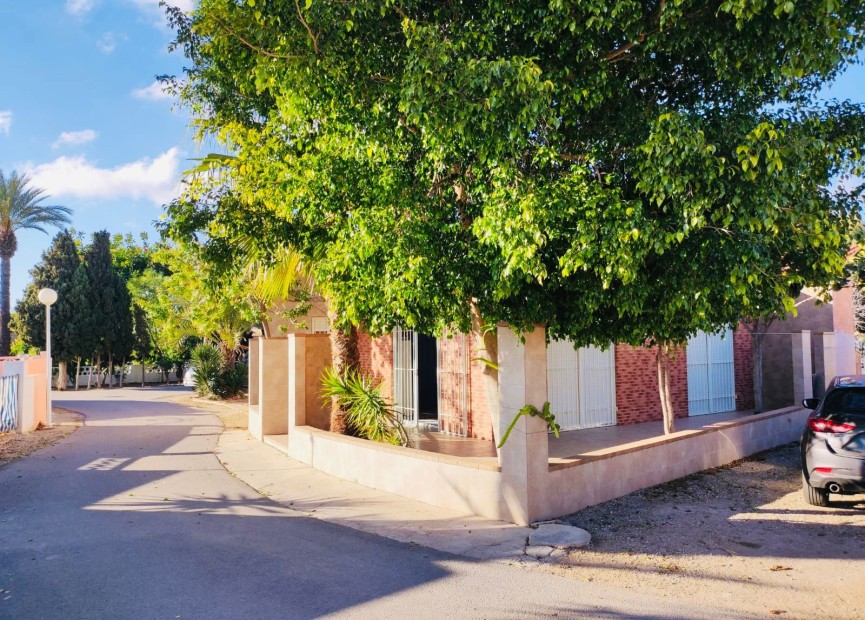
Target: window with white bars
(319, 325)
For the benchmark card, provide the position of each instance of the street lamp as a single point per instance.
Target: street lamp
(48, 296)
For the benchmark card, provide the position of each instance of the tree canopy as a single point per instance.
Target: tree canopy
(619, 171)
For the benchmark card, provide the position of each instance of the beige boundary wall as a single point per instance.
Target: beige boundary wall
(432, 478)
(32, 389)
(631, 467)
(444, 481)
(524, 486)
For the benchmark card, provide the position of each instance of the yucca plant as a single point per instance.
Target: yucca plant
(208, 366)
(367, 413)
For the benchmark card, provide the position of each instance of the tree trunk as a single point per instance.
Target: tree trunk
(61, 375)
(77, 371)
(122, 370)
(5, 273)
(90, 374)
(265, 321)
(759, 406)
(662, 358)
(110, 376)
(142, 374)
(345, 356)
(758, 328)
(487, 358)
(98, 365)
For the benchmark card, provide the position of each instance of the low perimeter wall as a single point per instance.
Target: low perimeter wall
(24, 405)
(432, 478)
(453, 483)
(631, 467)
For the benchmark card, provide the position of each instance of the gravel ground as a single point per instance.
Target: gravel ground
(17, 445)
(740, 536)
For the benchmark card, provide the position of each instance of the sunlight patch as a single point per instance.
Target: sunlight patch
(103, 464)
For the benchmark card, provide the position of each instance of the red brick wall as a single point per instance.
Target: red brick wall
(637, 398)
(480, 424)
(376, 360)
(743, 368)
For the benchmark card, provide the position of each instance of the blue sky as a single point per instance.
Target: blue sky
(81, 114)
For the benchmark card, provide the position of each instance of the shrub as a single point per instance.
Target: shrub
(367, 413)
(215, 378)
(230, 381)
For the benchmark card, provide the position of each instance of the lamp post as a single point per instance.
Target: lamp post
(48, 296)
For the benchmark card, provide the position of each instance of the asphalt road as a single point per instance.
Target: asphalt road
(132, 516)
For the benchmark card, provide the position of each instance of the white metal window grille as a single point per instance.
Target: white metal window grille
(319, 325)
(405, 377)
(452, 372)
(597, 387)
(711, 375)
(581, 385)
(563, 377)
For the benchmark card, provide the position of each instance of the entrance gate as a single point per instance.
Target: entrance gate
(405, 375)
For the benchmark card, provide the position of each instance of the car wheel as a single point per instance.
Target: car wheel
(814, 496)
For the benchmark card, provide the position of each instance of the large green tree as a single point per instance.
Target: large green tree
(56, 270)
(111, 300)
(20, 208)
(83, 335)
(617, 171)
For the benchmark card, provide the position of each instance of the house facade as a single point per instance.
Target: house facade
(437, 384)
(433, 382)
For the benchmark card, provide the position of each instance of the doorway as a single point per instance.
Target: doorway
(415, 378)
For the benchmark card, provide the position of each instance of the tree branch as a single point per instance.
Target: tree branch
(252, 46)
(308, 29)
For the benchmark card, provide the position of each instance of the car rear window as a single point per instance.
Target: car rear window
(849, 400)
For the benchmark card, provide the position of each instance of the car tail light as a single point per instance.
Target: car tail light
(819, 425)
(823, 470)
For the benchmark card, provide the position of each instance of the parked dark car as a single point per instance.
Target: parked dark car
(833, 444)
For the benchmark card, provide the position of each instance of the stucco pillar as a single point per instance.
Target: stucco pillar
(524, 458)
(802, 384)
(830, 358)
(272, 379)
(253, 371)
(296, 380)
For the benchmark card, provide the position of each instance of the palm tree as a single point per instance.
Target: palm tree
(20, 208)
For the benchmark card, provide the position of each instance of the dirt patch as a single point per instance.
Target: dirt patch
(17, 445)
(740, 537)
(234, 412)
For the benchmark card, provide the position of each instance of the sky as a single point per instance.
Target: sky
(81, 113)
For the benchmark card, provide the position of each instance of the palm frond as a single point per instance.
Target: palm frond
(21, 206)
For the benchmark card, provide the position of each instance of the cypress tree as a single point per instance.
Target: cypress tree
(56, 270)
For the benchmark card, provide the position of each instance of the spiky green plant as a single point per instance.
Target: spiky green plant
(367, 413)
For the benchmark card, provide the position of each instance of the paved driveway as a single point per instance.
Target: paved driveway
(133, 517)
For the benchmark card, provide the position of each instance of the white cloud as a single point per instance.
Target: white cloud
(107, 43)
(183, 5)
(153, 92)
(151, 10)
(74, 137)
(79, 7)
(155, 179)
(5, 121)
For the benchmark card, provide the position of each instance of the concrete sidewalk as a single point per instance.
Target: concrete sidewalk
(319, 495)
